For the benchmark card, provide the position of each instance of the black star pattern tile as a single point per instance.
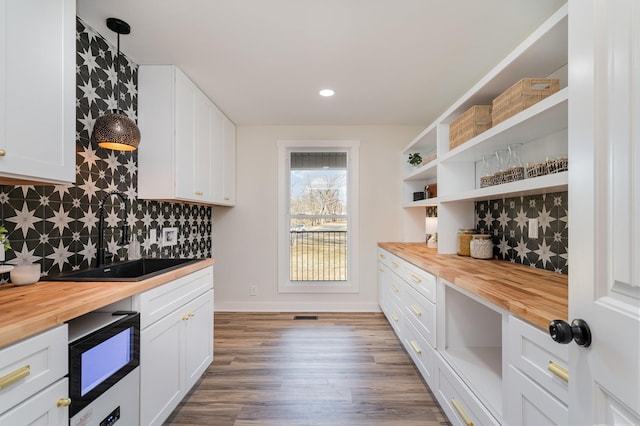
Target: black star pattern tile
(508, 221)
(56, 226)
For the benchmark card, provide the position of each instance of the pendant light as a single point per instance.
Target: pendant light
(117, 131)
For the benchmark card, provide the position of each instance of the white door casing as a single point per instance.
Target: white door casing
(604, 208)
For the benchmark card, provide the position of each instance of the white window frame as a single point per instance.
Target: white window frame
(352, 284)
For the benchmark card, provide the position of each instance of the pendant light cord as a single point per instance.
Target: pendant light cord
(118, 76)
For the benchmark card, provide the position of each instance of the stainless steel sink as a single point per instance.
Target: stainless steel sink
(133, 270)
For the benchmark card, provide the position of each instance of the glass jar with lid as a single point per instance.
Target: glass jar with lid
(481, 246)
(464, 241)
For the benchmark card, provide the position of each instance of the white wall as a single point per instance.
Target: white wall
(245, 236)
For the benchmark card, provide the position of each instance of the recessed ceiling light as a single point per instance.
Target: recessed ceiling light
(327, 92)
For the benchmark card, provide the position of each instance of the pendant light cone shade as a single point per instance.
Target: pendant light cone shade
(117, 131)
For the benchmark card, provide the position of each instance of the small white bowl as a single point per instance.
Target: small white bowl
(25, 274)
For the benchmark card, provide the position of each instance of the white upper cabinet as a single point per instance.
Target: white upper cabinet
(228, 170)
(182, 155)
(37, 91)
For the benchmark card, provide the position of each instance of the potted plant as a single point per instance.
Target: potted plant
(415, 159)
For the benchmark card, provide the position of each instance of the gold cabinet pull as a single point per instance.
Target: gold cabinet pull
(465, 417)
(415, 347)
(64, 402)
(394, 316)
(416, 310)
(381, 270)
(227, 198)
(394, 288)
(3, 152)
(185, 317)
(382, 256)
(415, 279)
(395, 265)
(191, 314)
(558, 370)
(14, 376)
(199, 193)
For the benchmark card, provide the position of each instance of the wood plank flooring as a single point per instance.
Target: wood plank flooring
(342, 369)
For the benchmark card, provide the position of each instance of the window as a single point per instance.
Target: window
(317, 206)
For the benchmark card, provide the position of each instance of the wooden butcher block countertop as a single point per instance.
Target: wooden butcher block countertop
(535, 295)
(28, 310)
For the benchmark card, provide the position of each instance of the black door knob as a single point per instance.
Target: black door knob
(562, 332)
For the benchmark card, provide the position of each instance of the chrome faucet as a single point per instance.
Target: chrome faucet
(100, 260)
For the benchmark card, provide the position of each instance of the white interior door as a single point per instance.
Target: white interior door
(604, 209)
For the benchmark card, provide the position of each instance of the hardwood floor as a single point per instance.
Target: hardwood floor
(341, 369)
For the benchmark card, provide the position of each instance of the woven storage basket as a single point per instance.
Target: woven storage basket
(471, 123)
(521, 96)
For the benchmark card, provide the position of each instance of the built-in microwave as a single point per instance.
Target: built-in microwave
(103, 349)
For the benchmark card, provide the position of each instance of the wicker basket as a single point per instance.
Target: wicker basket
(521, 96)
(535, 170)
(557, 165)
(471, 123)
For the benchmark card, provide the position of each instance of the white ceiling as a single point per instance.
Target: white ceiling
(264, 61)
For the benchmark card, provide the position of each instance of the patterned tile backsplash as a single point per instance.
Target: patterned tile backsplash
(57, 226)
(508, 221)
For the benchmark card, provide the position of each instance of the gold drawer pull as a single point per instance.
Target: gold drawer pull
(465, 417)
(394, 264)
(185, 317)
(3, 152)
(382, 256)
(191, 314)
(415, 347)
(15, 376)
(381, 270)
(559, 371)
(227, 198)
(64, 402)
(394, 288)
(416, 310)
(199, 193)
(415, 279)
(394, 316)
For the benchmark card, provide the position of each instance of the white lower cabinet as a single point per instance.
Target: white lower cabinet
(176, 342)
(528, 404)
(537, 377)
(407, 296)
(390, 287)
(458, 402)
(42, 409)
(33, 389)
(421, 352)
(484, 365)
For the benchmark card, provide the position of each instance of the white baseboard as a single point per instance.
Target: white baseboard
(295, 307)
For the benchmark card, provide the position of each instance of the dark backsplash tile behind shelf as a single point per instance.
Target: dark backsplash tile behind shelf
(57, 225)
(508, 221)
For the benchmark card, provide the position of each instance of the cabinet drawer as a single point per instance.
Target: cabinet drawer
(394, 315)
(422, 281)
(527, 404)
(460, 405)
(391, 260)
(391, 286)
(420, 351)
(156, 303)
(421, 313)
(42, 405)
(531, 350)
(395, 288)
(32, 364)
